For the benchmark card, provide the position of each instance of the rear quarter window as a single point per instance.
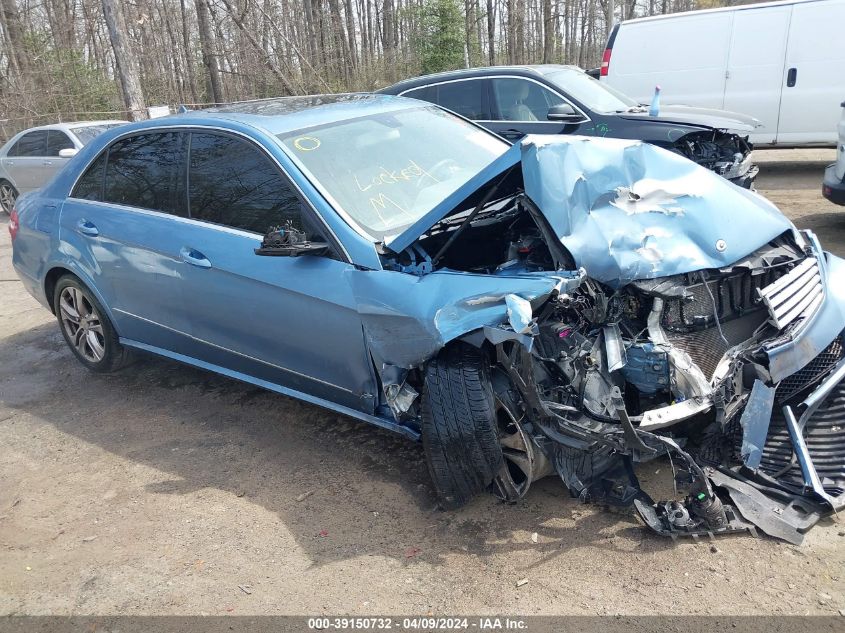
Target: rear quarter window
(90, 184)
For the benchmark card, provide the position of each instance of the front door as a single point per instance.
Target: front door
(814, 74)
(291, 321)
(520, 106)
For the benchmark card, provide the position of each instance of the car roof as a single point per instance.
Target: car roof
(288, 114)
(70, 125)
(532, 70)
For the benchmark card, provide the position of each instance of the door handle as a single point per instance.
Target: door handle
(87, 228)
(514, 134)
(194, 257)
(791, 77)
(47, 163)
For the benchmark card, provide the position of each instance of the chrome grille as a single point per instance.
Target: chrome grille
(797, 294)
(814, 371)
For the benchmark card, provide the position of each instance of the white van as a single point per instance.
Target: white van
(780, 62)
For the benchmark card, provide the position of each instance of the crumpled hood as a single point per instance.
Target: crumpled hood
(688, 115)
(628, 210)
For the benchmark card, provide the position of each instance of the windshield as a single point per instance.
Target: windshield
(385, 171)
(86, 133)
(591, 92)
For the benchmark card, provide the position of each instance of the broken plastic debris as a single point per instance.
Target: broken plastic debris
(534, 537)
(521, 582)
(412, 551)
(519, 314)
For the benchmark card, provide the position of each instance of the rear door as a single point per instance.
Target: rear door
(814, 75)
(24, 161)
(122, 222)
(685, 54)
(291, 321)
(755, 66)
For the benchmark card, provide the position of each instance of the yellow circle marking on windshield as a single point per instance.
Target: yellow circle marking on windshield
(306, 143)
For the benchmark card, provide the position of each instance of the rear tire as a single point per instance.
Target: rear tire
(459, 430)
(86, 327)
(8, 195)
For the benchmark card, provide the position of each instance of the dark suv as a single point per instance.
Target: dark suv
(513, 101)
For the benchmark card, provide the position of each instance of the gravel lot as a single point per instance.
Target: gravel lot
(169, 490)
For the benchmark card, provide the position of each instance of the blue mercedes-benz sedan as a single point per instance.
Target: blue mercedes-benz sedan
(565, 305)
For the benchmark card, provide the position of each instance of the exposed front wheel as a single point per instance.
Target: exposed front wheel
(86, 328)
(465, 429)
(8, 195)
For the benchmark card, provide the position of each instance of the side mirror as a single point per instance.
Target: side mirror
(68, 152)
(565, 113)
(287, 241)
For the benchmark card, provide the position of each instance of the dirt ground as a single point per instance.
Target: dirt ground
(169, 490)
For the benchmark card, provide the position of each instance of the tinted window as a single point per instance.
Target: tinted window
(426, 93)
(90, 185)
(146, 171)
(522, 100)
(232, 182)
(31, 144)
(463, 97)
(56, 141)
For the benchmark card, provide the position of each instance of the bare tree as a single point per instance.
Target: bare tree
(127, 69)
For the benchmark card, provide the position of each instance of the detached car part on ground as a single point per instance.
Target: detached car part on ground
(552, 99)
(566, 305)
(833, 186)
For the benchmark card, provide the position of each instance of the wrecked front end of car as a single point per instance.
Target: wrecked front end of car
(630, 306)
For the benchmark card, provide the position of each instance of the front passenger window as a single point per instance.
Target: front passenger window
(522, 100)
(231, 182)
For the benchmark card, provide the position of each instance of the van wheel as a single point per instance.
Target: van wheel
(8, 195)
(86, 328)
(459, 430)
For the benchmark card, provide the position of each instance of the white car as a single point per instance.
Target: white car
(779, 62)
(833, 186)
(32, 157)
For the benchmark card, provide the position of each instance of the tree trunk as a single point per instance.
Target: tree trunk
(127, 69)
(14, 30)
(209, 55)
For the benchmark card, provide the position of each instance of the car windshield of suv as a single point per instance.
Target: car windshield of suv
(592, 93)
(87, 133)
(386, 170)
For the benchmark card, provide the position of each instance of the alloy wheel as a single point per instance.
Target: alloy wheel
(82, 324)
(519, 468)
(7, 197)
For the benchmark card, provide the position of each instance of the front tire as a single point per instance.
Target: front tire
(459, 430)
(86, 328)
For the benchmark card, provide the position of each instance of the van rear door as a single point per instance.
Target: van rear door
(813, 79)
(755, 66)
(686, 55)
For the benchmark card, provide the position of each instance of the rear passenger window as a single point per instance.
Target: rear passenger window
(30, 144)
(145, 171)
(232, 182)
(463, 97)
(90, 184)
